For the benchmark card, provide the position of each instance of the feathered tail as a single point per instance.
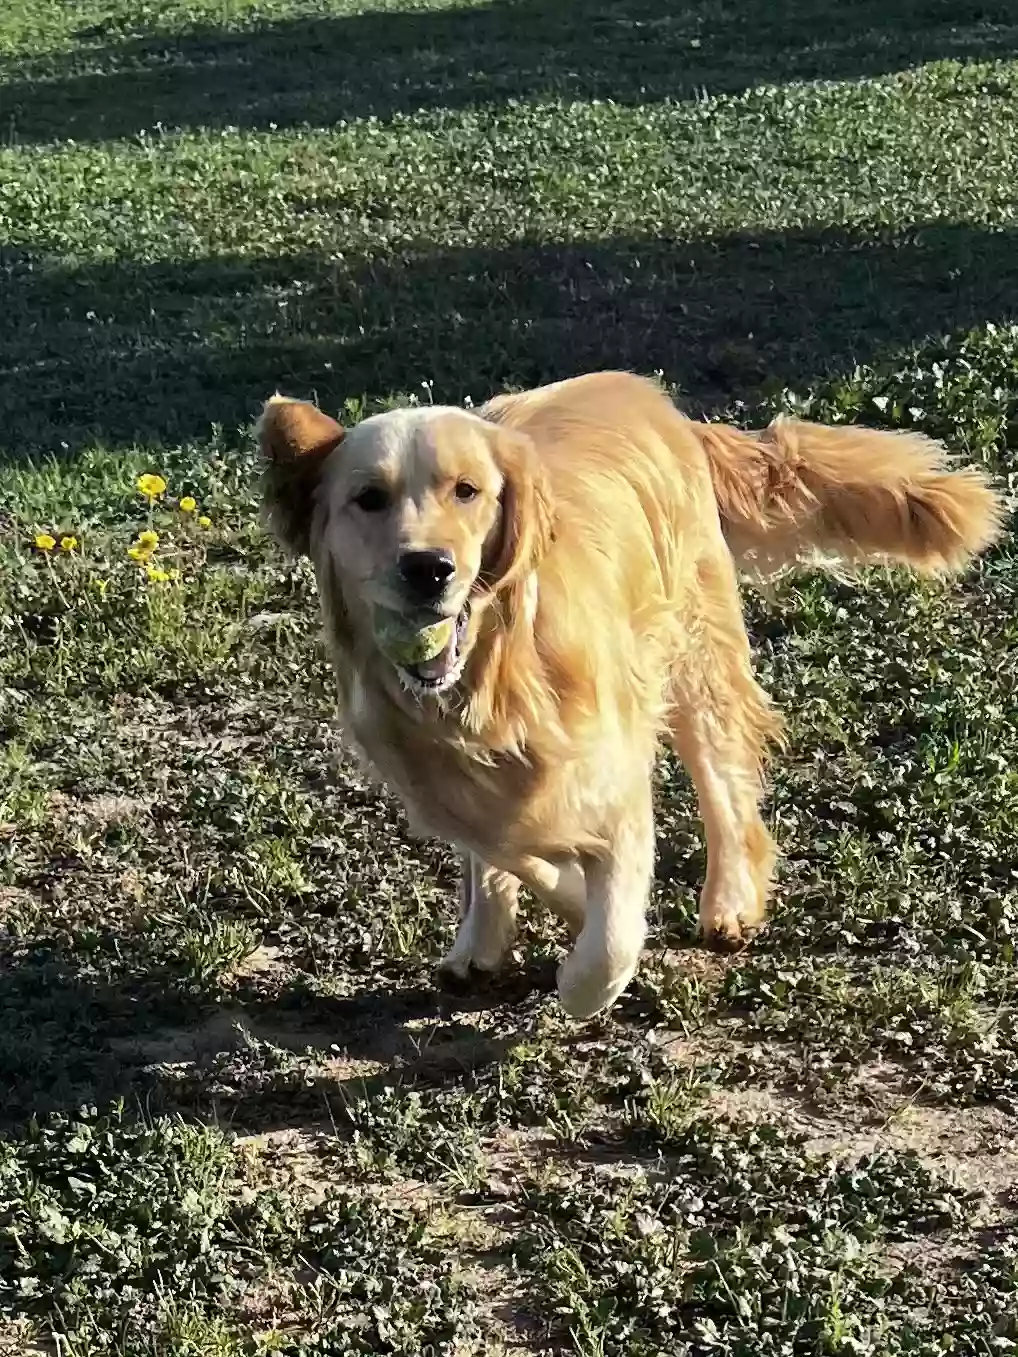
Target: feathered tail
(796, 490)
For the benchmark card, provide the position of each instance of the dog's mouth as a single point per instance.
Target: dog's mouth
(443, 669)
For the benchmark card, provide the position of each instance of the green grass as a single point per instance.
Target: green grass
(237, 1118)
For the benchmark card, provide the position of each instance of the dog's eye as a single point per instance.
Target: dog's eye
(465, 492)
(373, 499)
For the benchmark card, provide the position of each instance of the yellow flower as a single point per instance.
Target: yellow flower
(150, 485)
(139, 553)
(204, 521)
(68, 543)
(158, 576)
(44, 541)
(148, 540)
(100, 586)
(188, 505)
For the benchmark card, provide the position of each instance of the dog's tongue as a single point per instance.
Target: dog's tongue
(439, 665)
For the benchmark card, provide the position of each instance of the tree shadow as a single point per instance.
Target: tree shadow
(159, 352)
(119, 81)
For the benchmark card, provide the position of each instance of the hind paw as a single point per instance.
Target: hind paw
(727, 928)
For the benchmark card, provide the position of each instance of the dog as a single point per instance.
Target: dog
(587, 538)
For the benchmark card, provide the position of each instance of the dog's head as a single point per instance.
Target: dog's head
(430, 513)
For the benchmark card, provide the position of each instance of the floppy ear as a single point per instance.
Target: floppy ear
(508, 693)
(295, 439)
(525, 527)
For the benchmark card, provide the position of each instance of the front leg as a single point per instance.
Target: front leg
(487, 920)
(561, 884)
(608, 949)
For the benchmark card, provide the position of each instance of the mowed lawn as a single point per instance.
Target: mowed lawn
(237, 1117)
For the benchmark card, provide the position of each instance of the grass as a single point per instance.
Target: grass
(237, 1118)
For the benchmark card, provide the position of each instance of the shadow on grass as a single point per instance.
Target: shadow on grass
(74, 1032)
(158, 353)
(119, 81)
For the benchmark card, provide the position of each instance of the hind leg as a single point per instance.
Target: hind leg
(721, 729)
(487, 920)
(740, 851)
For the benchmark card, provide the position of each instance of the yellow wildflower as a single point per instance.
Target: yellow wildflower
(188, 505)
(148, 540)
(150, 485)
(44, 541)
(158, 576)
(68, 543)
(204, 521)
(139, 553)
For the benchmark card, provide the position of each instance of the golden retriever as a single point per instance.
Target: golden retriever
(586, 537)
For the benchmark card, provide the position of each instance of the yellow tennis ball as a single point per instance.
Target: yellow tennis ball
(409, 645)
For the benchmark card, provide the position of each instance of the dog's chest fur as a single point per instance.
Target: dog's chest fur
(497, 806)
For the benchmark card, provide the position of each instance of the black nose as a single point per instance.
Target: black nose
(426, 573)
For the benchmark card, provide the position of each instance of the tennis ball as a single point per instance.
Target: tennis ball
(406, 644)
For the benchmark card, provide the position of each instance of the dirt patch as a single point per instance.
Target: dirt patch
(481, 1237)
(975, 1146)
(262, 961)
(13, 897)
(291, 1157)
(229, 1030)
(972, 1147)
(112, 810)
(478, 1233)
(106, 809)
(223, 1031)
(17, 1340)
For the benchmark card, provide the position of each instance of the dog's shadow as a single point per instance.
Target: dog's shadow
(254, 1056)
(270, 1048)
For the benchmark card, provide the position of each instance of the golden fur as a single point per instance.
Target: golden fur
(596, 564)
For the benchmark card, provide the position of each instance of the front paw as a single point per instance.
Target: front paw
(593, 975)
